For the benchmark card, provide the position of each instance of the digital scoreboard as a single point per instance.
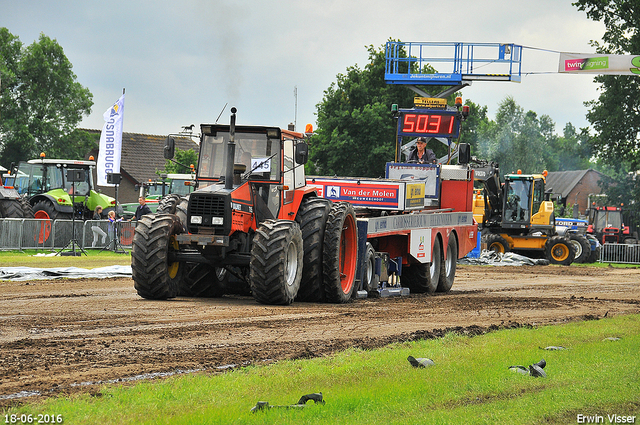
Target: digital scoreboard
(429, 123)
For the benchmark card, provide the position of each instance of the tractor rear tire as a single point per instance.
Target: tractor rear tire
(46, 210)
(558, 250)
(155, 276)
(340, 255)
(581, 246)
(202, 280)
(15, 208)
(497, 243)
(276, 262)
(312, 218)
(423, 278)
(448, 270)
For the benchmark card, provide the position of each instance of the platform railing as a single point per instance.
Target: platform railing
(455, 62)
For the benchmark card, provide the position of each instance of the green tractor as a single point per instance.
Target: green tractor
(154, 191)
(60, 188)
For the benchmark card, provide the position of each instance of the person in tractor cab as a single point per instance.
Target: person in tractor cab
(421, 154)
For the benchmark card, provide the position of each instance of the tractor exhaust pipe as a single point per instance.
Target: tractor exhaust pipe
(231, 151)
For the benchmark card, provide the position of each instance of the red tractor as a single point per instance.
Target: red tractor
(258, 225)
(606, 224)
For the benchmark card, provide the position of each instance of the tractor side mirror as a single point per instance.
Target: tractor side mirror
(169, 148)
(302, 153)
(464, 153)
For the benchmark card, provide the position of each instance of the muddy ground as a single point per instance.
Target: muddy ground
(70, 336)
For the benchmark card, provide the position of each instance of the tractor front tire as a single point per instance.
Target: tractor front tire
(276, 262)
(340, 255)
(581, 246)
(558, 250)
(168, 204)
(312, 218)
(155, 275)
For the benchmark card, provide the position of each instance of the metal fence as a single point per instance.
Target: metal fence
(620, 253)
(19, 234)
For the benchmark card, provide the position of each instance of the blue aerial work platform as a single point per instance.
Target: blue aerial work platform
(456, 64)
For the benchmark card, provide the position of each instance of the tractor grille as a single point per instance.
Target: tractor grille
(209, 207)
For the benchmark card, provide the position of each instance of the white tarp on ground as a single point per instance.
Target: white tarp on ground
(492, 258)
(31, 273)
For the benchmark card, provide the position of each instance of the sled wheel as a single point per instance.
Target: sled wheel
(423, 278)
(156, 276)
(448, 270)
(276, 262)
(312, 218)
(340, 253)
(559, 250)
(370, 280)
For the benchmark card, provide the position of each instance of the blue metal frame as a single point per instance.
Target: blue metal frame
(496, 61)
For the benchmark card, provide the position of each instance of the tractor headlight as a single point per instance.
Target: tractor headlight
(217, 221)
(196, 219)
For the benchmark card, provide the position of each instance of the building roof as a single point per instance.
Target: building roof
(143, 154)
(562, 182)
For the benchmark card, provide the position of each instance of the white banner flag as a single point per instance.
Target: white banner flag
(599, 64)
(110, 142)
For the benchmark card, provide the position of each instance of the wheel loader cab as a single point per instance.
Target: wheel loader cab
(525, 207)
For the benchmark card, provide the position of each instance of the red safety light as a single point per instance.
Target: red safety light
(519, 171)
(308, 128)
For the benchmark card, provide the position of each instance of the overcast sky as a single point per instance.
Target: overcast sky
(182, 61)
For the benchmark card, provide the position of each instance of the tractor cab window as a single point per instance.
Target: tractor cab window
(54, 178)
(21, 182)
(81, 188)
(178, 186)
(538, 196)
(604, 219)
(35, 179)
(256, 151)
(517, 208)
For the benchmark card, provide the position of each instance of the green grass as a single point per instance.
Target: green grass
(92, 260)
(470, 384)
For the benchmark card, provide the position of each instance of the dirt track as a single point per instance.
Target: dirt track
(66, 336)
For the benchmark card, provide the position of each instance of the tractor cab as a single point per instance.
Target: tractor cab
(607, 224)
(60, 188)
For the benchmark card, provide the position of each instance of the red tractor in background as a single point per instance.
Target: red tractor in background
(607, 225)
